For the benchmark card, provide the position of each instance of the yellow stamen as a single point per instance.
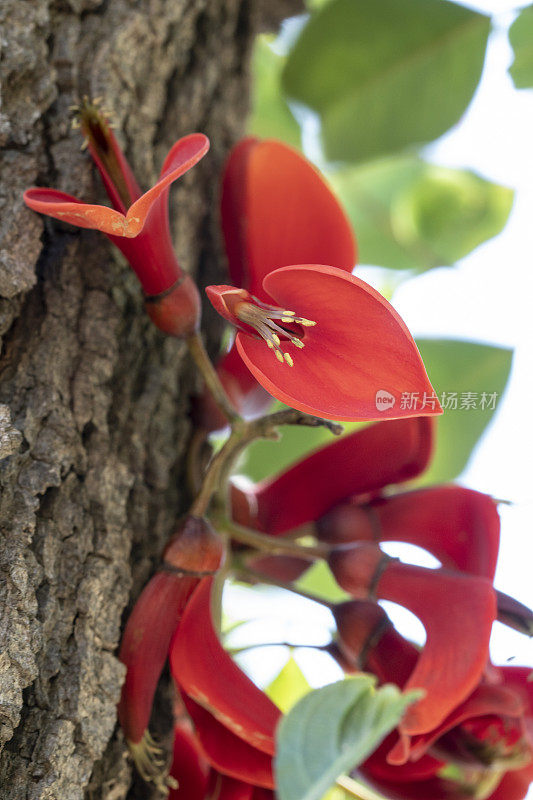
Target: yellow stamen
(288, 359)
(279, 356)
(307, 323)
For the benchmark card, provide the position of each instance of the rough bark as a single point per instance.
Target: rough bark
(93, 399)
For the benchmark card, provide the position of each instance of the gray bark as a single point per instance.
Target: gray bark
(94, 400)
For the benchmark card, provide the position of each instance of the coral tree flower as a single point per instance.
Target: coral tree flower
(276, 210)
(138, 223)
(360, 463)
(195, 551)
(310, 333)
(234, 721)
(326, 343)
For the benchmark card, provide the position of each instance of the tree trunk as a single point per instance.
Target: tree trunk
(94, 400)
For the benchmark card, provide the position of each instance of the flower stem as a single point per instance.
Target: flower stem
(357, 790)
(209, 373)
(272, 544)
(251, 576)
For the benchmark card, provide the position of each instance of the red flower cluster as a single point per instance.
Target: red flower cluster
(319, 339)
(473, 717)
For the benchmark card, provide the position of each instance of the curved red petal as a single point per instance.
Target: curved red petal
(204, 670)
(458, 526)
(145, 644)
(184, 154)
(380, 769)
(364, 461)
(359, 360)
(227, 752)
(277, 210)
(130, 184)
(225, 788)
(67, 208)
(484, 700)
(452, 606)
(188, 768)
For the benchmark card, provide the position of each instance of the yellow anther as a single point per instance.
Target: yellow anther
(269, 344)
(279, 356)
(276, 338)
(289, 313)
(288, 359)
(287, 319)
(298, 343)
(307, 323)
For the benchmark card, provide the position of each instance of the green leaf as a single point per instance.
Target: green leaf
(521, 38)
(331, 731)
(288, 687)
(409, 214)
(270, 116)
(388, 75)
(462, 367)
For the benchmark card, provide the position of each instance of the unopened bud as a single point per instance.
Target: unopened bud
(176, 311)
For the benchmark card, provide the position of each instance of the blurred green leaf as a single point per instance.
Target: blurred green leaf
(331, 731)
(521, 38)
(409, 214)
(319, 581)
(270, 116)
(388, 75)
(288, 687)
(462, 367)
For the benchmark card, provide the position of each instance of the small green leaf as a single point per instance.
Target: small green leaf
(270, 117)
(288, 687)
(521, 38)
(477, 374)
(388, 75)
(331, 731)
(409, 214)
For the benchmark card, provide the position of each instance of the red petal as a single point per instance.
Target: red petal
(359, 351)
(484, 700)
(227, 752)
(452, 606)
(204, 670)
(364, 461)
(66, 208)
(145, 644)
(277, 210)
(128, 176)
(380, 769)
(226, 788)
(458, 526)
(188, 767)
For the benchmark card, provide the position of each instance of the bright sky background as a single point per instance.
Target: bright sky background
(487, 297)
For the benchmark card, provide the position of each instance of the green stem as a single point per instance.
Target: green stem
(212, 381)
(251, 576)
(357, 790)
(272, 544)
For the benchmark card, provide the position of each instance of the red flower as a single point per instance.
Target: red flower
(458, 526)
(138, 223)
(335, 345)
(452, 606)
(276, 210)
(233, 719)
(363, 462)
(485, 735)
(195, 550)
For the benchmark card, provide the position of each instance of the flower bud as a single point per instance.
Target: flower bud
(195, 548)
